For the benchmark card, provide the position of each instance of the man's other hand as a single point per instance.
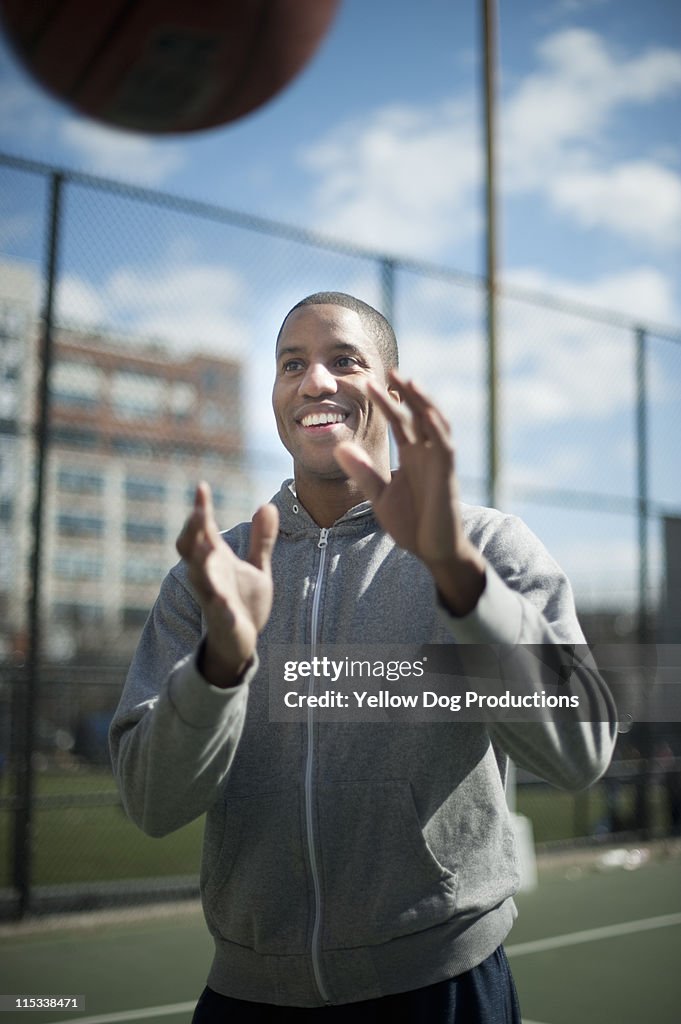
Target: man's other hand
(418, 506)
(235, 595)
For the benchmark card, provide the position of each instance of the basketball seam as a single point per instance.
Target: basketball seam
(113, 29)
(244, 72)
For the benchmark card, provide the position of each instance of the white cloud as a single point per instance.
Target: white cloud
(399, 179)
(119, 154)
(23, 109)
(564, 379)
(639, 199)
(408, 178)
(644, 293)
(579, 84)
(78, 302)
(191, 307)
(561, 368)
(556, 137)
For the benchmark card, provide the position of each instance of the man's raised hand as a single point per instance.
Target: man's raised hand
(418, 506)
(235, 594)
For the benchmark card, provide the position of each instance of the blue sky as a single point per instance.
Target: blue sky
(378, 141)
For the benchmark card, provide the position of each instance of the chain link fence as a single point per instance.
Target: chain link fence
(155, 318)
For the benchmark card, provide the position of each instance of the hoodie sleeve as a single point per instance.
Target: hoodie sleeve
(173, 736)
(527, 612)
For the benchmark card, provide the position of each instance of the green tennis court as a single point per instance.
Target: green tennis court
(589, 945)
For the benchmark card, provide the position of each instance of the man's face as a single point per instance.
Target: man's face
(325, 361)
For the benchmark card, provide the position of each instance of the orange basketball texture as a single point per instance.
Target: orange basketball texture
(165, 65)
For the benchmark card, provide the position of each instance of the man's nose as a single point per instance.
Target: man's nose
(318, 380)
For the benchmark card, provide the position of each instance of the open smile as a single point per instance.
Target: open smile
(322, 422)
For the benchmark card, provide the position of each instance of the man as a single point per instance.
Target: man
(351, 871)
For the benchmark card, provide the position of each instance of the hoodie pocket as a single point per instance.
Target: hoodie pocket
(381, 880)
(256, 895)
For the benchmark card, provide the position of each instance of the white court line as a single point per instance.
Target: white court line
(594, 934)
(145, 1014)
(520, 949)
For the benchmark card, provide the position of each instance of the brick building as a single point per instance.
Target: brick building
(133, 427)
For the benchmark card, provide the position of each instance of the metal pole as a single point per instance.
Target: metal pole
(387, 266)
(23, 826)
(388, 289)
(642, 483)
(489, 21)
(645, 735)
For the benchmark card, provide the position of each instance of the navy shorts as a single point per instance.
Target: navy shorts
(484, 995)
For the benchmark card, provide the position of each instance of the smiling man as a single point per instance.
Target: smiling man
(355, 871)
(327, 357)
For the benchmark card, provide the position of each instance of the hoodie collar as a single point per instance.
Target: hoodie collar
(294, 518)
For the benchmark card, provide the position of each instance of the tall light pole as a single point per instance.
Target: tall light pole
(489, 29)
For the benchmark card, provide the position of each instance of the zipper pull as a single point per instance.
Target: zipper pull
(323, 535)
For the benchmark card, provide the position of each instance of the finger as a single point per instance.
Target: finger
(417, 411)
(355, 462)
(423, 408)
(191, 535)
(398, 418)
(438, 435)
(264, 531)
(200, 532)
(203, 504)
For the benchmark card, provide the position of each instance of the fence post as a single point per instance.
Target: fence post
(387, 272)
(642, 813)
(642, 483)
(489, 27)
(387, 266)
(24, 788)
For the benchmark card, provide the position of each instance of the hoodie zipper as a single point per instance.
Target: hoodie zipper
(309, 781)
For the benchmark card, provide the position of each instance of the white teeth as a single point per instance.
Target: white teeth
(316, 419)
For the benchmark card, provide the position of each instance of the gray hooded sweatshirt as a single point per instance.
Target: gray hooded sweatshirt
(346, 861)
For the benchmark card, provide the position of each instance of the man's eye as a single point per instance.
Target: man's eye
(291, 365)
(346, 361)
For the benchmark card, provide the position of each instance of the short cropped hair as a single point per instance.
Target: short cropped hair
(373, 322)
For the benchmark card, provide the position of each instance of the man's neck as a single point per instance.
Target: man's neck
(326, 501)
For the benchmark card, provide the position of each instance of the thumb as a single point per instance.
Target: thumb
(356, 464)
(264, 530)
(203, 504)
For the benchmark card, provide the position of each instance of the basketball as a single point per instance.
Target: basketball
(164, 66)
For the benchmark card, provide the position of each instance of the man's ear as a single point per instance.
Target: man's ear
(394, 393)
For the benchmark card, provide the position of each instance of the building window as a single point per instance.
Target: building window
(134, 446)
(71, 525)
(140, 489)
(13, 321)
(137, 395)
(137, 571)
(73, 614)
(77, 566)
(77, 384)
(216, 416)
(219, 498)
(80, 481)
(181, 399)
(74, 436)
(145, 533)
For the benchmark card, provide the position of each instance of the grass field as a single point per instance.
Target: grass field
(78, 841)
(588, 946)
